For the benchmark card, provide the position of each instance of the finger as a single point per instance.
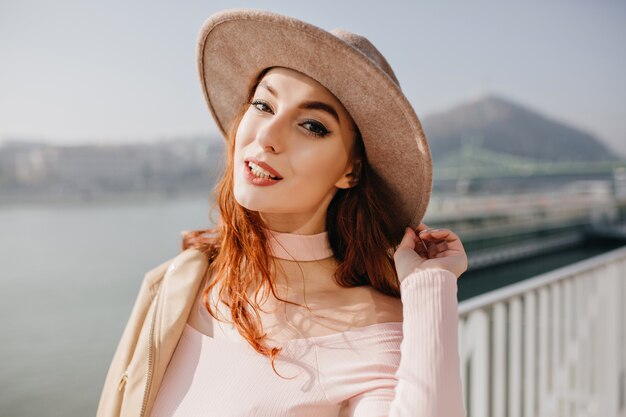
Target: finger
(432, 251)
(446, 253)
(451, 238)
(421, 248)
(430, 231)
(437, 248)
(423, 230)
(439, 234)
(442, 247)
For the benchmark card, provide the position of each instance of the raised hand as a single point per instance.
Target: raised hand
(424, 248)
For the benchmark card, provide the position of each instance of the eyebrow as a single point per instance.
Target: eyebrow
(310, 105)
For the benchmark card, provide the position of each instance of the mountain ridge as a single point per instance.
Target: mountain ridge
(503, 126)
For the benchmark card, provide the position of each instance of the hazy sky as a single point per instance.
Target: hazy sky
(85, 71)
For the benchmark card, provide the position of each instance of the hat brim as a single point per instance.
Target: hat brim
(234, 46)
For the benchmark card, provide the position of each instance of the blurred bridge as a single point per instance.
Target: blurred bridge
(502, 228)
(475, 162)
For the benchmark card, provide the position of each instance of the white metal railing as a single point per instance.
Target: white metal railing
(550, 346)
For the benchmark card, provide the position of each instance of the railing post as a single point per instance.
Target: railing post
(530, 357)
(514, 382)
(498, 371)
(474, 348)
(544, 369)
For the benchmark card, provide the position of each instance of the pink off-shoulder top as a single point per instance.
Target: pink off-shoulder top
(393, 369)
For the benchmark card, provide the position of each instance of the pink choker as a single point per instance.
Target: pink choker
(294, 247)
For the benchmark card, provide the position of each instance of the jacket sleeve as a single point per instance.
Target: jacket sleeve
(429, 374)
(111, 398)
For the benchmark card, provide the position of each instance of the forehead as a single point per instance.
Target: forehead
(287, 79)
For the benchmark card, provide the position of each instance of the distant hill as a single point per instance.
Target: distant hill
(503, 127)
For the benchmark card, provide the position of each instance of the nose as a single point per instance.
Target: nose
(271, 135)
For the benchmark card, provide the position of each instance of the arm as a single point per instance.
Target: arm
(429, 379)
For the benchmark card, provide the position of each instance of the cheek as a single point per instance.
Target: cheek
(321, 168)
(243, 137)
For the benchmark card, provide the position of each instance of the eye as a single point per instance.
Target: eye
(260, 105)
(315, 128)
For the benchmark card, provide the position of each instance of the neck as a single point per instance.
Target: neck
(305, 223)
(299, 247)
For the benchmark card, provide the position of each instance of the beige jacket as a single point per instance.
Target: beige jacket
(156, 323)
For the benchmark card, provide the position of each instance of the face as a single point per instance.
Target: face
(297, 131)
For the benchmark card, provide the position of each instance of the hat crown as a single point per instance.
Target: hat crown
(362, 44)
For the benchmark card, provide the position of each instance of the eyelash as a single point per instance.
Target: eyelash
(322, 134)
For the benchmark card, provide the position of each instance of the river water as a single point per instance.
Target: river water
(69, 276)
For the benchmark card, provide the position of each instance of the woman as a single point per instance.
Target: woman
(320, 292)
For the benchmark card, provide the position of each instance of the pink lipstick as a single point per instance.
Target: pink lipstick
(260, 181)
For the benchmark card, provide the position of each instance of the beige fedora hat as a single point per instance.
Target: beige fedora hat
(234, 46)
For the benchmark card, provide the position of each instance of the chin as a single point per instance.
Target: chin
(246, 199)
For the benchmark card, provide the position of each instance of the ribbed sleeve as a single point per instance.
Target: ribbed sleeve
(429, 375)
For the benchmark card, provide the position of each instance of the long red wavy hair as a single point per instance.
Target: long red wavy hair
(361, 231)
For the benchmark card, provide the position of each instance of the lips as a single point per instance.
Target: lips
(265, 166)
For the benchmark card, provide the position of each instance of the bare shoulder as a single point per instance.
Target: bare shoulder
(332, 311)
(383, 308)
